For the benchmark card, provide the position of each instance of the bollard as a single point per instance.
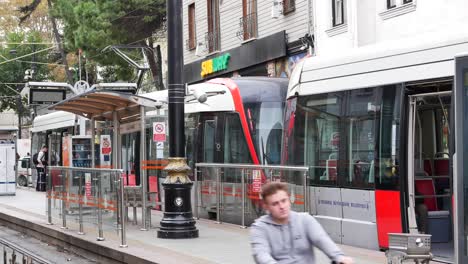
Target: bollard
(243, 198)
(80, 204)
(123, 243)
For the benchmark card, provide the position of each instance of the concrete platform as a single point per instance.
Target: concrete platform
(218, 243)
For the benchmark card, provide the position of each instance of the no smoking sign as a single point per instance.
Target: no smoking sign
(159, 131)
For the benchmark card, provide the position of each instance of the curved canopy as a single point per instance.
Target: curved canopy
(101, 104)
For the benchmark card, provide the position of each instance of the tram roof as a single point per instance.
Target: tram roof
(100, 104)
(58, 119)
(426, 56)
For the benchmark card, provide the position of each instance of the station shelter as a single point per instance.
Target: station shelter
(110, 130)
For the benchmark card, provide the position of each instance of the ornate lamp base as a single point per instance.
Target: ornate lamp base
(178, 220)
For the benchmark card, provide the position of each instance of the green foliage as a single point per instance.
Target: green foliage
(14, 71)
(92, 25)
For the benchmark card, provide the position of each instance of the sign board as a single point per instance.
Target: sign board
(215, 65)
(159, 131)
(256, 181)
(105, 150)
(46, 96)
(88, 185)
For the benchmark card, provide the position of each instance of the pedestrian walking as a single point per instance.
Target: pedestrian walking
(285, 236)
(40, 161)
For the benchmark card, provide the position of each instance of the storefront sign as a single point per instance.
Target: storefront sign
(214, 65)
(159, 131)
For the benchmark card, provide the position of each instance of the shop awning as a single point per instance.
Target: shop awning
(100, 104)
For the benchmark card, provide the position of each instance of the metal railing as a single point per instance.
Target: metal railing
(87, 196)
(223, 190)
(247, 27)
(12, 253)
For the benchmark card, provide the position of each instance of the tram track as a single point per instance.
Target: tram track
(12, 252)
(18, 247)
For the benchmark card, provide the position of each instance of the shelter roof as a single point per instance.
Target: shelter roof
(100, 104)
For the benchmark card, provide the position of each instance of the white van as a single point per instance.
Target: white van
(24, 171)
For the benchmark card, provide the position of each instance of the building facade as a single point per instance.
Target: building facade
(225, 38)
(344, 24)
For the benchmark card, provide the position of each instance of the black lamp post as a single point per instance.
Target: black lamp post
(178, 221)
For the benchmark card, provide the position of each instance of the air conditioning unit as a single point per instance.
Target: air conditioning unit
(200, 49)
(277, 9)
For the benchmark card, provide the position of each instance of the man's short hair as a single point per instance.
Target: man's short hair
(44, 146)
(271, 188)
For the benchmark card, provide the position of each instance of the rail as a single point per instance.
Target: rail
(87, 196)
(12, 253)
(223, 190)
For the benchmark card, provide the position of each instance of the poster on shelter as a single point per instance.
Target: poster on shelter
(159, 131)
(105, 151)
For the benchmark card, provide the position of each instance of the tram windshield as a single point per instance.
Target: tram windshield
(265, 125)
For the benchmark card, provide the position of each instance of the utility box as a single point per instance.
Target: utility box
(7, 168)
(439, 226)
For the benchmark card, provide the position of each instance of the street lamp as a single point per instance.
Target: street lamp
(178, 221)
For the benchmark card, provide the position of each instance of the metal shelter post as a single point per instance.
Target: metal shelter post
(115, 141)
(144, 178)
(93, 138)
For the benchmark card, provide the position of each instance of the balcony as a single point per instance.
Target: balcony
(212, 40)
(247, 27)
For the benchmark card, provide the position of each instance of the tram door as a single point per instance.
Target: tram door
(460, 159)
(209, 146)
(430, 182)
(131, 158)
(55, 149)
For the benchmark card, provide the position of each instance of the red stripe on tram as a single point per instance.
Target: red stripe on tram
(388, 215)
(239, 107)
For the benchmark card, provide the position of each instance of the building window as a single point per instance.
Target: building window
(396, 8)
(191, 27)
(338, 12)
(289, 6)
(212, 36)
(248, 21)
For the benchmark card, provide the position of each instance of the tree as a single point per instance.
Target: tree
(16, 60)
(92, 25)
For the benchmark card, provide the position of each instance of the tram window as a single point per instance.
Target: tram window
(235, 147)
(273, 146)
(361, 128)
(361, 153)
(208, 141)
(387, 170)
(321, 119)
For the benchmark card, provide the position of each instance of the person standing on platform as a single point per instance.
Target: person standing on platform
(41, 166)
(286, 236)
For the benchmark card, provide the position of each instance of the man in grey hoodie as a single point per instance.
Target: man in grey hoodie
(284, 236)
